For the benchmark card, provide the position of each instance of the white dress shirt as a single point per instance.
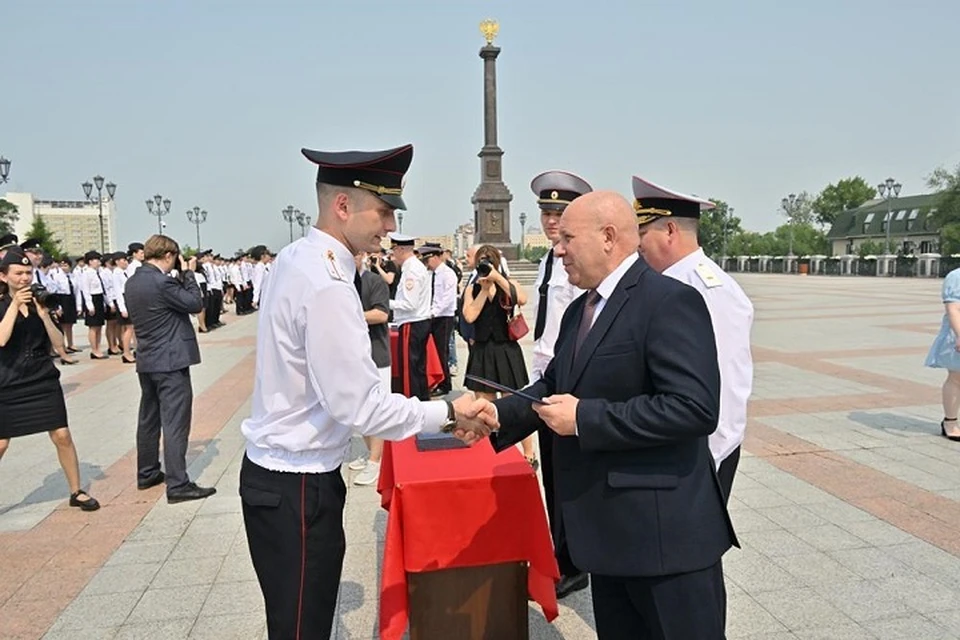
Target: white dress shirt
(132, 267)
(605, 289)
(731, 314)
(61, 281)
(109, 295)
(444, 303)
(259, 271)
(412, 302)
(90, 285)
(119, 286)
(560, 293)
(316, 381)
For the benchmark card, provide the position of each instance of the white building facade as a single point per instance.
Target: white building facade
(74, 223)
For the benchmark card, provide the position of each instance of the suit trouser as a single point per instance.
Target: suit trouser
(442, 329)
(684, 606)
(166, 405)
(545, 435)
(726, 472)
(294, 525)
(411, 363)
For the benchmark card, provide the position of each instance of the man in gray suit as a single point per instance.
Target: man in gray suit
(160, 308)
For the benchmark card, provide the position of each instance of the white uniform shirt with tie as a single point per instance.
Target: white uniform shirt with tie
(731, 314)
(560, 293)
(444, 304)
(316, 382)
(412, 302)
(90, 285)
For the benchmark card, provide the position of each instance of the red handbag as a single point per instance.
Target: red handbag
(516, 323)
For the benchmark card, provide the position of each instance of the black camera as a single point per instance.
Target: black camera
(43, 296)
(484, 267)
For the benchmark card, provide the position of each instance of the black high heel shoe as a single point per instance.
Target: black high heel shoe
(943, 431)
(96, 357)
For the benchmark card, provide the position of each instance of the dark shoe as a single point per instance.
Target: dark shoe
(569, 584)
(65, 361)
(90, 504)
(152, 481)
(126, 361)
(96, 357)
(943, 432)
(189, 491)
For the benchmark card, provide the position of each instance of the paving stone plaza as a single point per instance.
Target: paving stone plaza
(847, 502)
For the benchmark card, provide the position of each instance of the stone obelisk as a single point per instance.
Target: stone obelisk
(491, 200)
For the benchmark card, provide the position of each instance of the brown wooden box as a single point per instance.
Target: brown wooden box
(471, 603)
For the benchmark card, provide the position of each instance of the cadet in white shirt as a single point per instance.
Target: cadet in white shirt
(317, 385)
(135, 257)
(411, 313)
(124, 323)
(668, 223)
(443, 307)
(92, 288)
(554, 191)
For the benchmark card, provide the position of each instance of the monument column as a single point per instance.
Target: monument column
(491, 200)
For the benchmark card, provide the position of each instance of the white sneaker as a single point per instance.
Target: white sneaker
(358, 464)
(369, 475)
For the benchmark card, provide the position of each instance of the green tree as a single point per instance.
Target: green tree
(848, 193)
(871, 248)
(48, 241)
(533, 254)
(715, 225)
(8, 216)
(947, 217)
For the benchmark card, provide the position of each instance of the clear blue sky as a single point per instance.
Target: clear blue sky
(208, 102)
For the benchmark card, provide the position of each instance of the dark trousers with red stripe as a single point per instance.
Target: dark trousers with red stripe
(411, 365)
(441, 329)
(294, 525)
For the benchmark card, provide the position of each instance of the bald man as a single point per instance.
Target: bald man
(632, 395)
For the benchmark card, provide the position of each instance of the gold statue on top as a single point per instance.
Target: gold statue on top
(489, 29)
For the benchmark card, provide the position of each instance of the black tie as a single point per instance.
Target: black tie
(433, 285)
(357, 282)
(586, 320)
(542, 306)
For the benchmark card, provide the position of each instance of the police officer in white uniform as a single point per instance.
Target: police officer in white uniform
(317, 385)
(554, 191)
(411, 313)
(668, 223)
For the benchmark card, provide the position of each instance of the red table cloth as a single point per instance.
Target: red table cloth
(434, 368)
(460, 508)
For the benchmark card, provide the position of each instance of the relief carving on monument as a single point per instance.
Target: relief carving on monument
(494, 222)
(493, 169)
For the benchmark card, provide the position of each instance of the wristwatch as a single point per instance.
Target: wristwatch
(451, 423)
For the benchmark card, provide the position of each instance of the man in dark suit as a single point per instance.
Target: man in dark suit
(632, 395)
(160, 308)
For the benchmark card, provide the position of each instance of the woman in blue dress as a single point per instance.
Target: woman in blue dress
(945, 354)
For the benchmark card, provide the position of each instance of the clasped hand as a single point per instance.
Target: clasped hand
(476, 418)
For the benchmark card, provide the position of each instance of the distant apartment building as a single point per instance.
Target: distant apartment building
(913, 229)
(535, 238)
(74, 223)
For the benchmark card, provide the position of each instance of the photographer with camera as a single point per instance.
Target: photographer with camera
(160, 308)
(487, 305)
(31, 398)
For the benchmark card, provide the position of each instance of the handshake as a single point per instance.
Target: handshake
(476, 418)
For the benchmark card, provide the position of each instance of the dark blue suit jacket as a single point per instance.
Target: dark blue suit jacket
(636, 490)
(160, 308)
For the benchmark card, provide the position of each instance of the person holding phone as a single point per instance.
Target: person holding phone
(159, 307)
(31, 398)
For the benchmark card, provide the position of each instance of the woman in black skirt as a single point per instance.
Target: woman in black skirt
(493, 355)
(31, 398)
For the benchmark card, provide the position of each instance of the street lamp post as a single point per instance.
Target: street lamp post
(791, 207)
(197, 217)
(726, 220)
(158, 206)
(304, 221)
(289, 215)
(88, 189)
(523, 230)
(400, 221)
(889, 189)
(4, 169)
